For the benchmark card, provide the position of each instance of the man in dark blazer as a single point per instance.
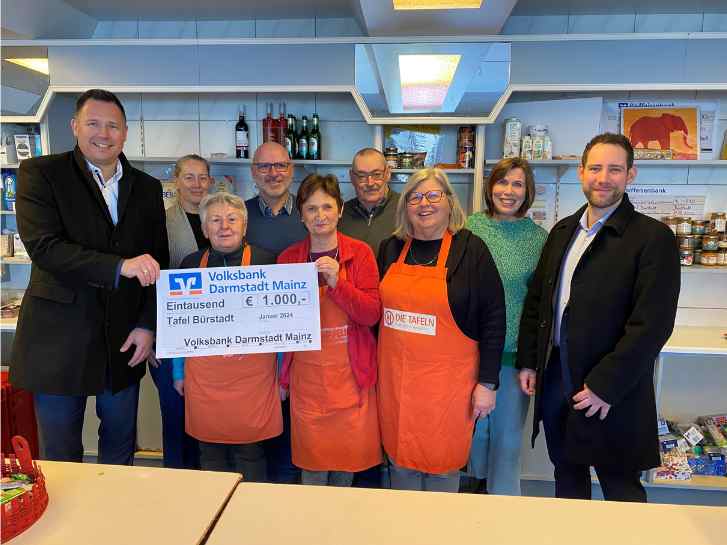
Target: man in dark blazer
(95, 231)
(601, 305)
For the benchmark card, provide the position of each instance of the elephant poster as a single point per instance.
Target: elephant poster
(664, 132)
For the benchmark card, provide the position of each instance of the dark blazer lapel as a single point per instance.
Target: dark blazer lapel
(125, 186)
(564, 233)
(91, 183)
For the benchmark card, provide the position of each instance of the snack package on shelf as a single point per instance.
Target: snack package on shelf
(710, 464)
(713, 426)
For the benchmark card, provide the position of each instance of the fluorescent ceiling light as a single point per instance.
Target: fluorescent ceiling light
(39, 65)
(425, 79)
(437, 4)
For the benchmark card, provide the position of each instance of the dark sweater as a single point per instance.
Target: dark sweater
(370, 227)
(275, 233)
(474, 290)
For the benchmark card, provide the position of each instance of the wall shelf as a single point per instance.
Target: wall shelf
(702, 269)
(638, 162)
(15, 261)
(446, 170)
(7, 212)
(8, 324)
(697, 482)
(10, 165)
(235, 161)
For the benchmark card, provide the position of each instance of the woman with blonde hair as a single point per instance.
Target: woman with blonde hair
(440, 338)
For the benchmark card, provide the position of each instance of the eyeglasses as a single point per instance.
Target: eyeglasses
(377, 175)
(266, 167)
(433, 196)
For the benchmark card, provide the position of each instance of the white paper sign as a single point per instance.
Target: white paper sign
(238, 310)
(411, 322)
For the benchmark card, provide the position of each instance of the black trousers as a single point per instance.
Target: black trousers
(574, 480)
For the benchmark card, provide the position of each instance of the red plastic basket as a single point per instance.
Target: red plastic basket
(20, 513)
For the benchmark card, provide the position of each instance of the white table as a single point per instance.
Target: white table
(307, 515)
(119, 505)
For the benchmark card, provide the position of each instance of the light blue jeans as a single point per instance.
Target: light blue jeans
(495, 453)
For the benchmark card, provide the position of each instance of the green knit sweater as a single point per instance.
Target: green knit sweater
(515, 246)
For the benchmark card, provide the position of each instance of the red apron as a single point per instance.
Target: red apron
(427, 369)
(234, 398)
(334, 426)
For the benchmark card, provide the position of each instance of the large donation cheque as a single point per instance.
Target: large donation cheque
(238, 310)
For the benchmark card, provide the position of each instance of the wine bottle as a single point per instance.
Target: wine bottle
(268, 124)
(291, 142)
(282, 124)
(242, 137)
(314, 140)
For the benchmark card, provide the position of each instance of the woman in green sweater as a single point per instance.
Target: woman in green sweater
(515, 242)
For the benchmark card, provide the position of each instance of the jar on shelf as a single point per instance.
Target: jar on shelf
(686, 258)
(391, 154)
(672, 222)
(406, 160)
(710, 242)
(684, 226)
(723, 241)
(719, 222)
(700, 227)
(722, 257)
(686, 242)
(697, 257)
(709, 259)
(697, 242)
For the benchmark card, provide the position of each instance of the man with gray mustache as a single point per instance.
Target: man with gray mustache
(370, 215)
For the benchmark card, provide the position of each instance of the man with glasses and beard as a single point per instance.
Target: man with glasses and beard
(370, 216)
(273, 224)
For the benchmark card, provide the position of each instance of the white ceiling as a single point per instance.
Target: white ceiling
(283, 9)
(171, 10)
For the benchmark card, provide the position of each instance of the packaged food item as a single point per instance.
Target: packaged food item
(719, 222)
(710, 243)
(547, 148)
(672, 222)
(686, 242)
(391, 154)
(697, 257)
(18, 247)
(513, 134)
(23, 146)
(709, 259)
(526, 150)
(686, 257)
(406, 160)
(722, 257)
(684, 227)
(700, 227)
(9, 188)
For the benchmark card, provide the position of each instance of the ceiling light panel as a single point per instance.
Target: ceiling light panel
(39, 65)
(436, 4)
(425, 79)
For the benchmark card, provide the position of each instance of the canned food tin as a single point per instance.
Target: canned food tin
(406, 160)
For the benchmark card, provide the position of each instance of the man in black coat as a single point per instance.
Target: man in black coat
(600, 307)
(95, 231)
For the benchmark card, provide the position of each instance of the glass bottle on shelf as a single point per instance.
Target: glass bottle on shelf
(314, 140)
(291, 141)
(282, 125)
(242, 137)
(269, 125)
(303, 139)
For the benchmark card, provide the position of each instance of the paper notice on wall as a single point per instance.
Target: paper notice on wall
(661, 201)
(542, 211)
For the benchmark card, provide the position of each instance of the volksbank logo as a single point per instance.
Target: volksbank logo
(185, 283)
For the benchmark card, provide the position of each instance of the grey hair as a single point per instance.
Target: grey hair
(190, 157)
(457, 216)
(221, 197)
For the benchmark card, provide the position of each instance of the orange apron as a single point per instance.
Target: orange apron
(334, 426)
(427, 369)
(233, 398)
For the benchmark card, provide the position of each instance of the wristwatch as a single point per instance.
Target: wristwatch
(488, 385)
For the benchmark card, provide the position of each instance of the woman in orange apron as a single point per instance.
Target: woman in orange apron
(232, 402)
(441, 336)
(334, 421)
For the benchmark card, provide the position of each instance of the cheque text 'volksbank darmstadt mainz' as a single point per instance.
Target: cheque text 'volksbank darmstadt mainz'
(238, 310)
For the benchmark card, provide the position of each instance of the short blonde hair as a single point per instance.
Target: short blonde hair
(456, 215)
(221, 197)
